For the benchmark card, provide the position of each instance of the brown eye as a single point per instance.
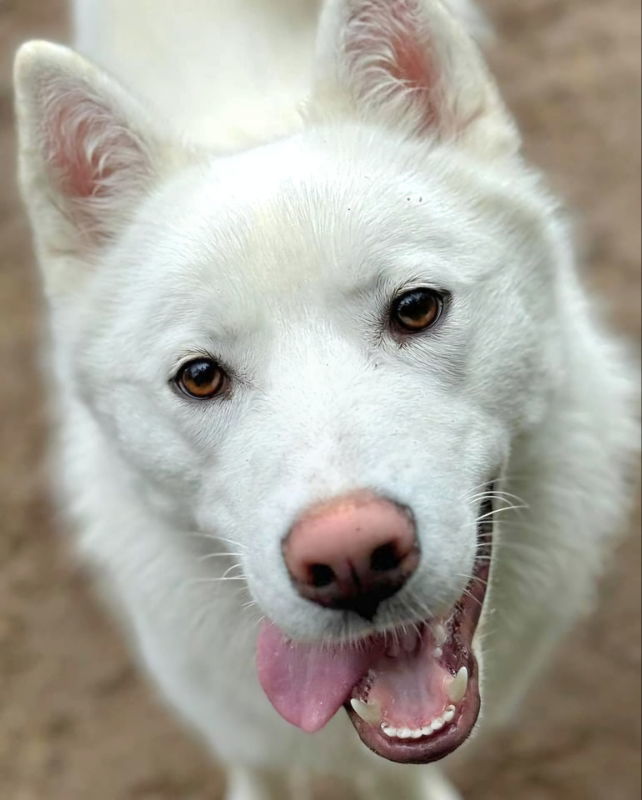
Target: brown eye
(201, 378)
(417, 310)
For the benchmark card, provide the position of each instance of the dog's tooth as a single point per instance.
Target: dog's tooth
(369, 712)
(437, 652)
(404, 733)
(426, 731)
(437, 724)
(416, 734)
(449, 714)
(439, 634)
(456, 689)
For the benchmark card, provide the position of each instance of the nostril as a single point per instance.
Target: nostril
(352, 553)
(321, 575)
(385, 558)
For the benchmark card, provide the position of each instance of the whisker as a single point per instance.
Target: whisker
(471, 578)
(232, 568)
(212, 580)
(216, 538)
(472, 597)
(209, 556)
(499, 510)
(504, 496)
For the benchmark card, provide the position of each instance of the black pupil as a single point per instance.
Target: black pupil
(202, 373)
(416, 305)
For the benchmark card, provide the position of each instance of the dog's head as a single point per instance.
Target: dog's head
(318, 350)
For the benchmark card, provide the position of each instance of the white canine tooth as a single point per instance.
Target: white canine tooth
(391, 732)
(439, 634)
(449, 714)
(426, 731)
(404, 733)
(437, 652)
(416, 734)
(369, 712)
(437, 724)
(456, 689)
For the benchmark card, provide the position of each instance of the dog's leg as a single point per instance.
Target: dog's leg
(248, 784)
(437, 787)
(422, 783)
(244, 784)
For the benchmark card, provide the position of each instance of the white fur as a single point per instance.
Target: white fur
(233, 213)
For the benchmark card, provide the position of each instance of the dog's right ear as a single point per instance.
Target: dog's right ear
(88, 152)
(412, 66)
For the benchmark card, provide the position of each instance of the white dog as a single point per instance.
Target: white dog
(339, 426)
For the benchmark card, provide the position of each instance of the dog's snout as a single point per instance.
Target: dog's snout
(352, 552)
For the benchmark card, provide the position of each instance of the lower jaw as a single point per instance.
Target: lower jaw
(432, 747)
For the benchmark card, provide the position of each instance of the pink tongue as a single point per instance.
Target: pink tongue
(306, 683)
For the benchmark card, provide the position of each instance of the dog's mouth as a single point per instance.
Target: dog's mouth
(412, 693)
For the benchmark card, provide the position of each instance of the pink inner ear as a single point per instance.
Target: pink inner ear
(397, 26)
(412, 62)
(85, 145)
(414, 68)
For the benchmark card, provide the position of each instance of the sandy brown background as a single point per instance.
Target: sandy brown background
(76, 722)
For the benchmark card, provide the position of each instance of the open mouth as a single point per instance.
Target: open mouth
(412, 694)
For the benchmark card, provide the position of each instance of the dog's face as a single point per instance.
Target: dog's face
(284, 268)
(360, 308)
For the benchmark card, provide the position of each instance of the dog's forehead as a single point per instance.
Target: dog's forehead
(304, 228)
(293, 216)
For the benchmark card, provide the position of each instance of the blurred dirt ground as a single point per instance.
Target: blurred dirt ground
(76, 722)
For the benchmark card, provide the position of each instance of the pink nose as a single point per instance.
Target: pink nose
(352, 552)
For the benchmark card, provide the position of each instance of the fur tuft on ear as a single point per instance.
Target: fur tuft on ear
(412, 65)
(87, 149)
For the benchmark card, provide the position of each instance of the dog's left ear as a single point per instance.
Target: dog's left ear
(413, 66)
(89, 154)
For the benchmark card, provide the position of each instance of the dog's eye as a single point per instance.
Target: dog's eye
(417, 310)
(201, 378)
